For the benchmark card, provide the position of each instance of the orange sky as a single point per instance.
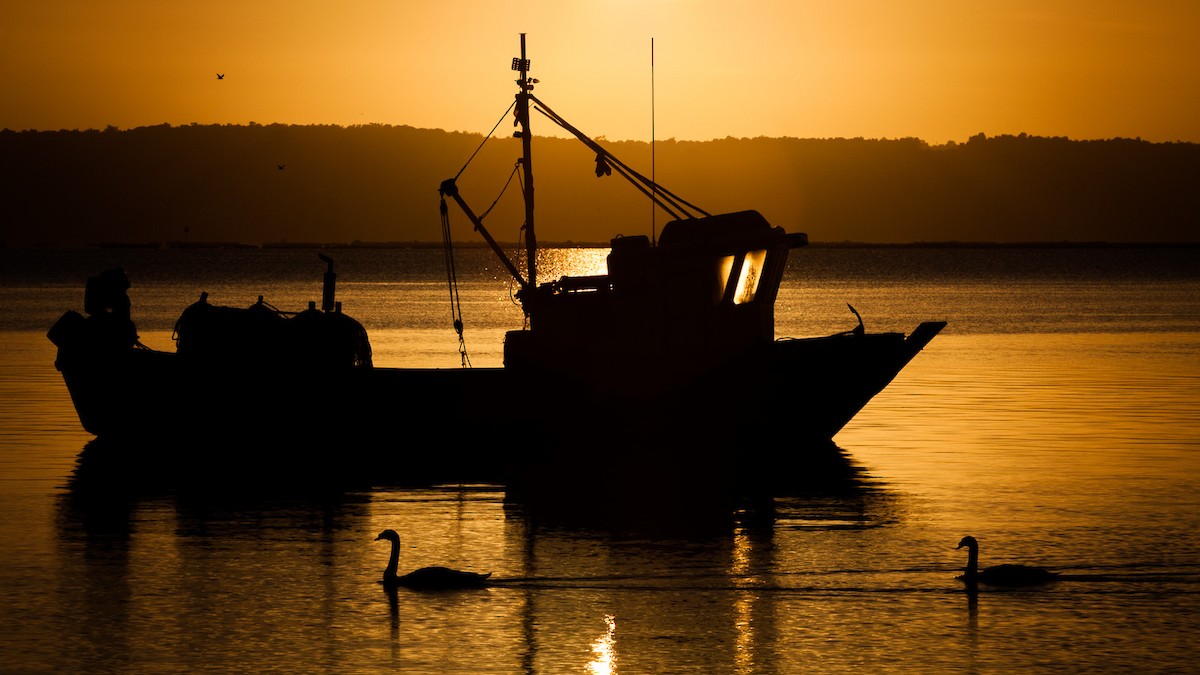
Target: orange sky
(934, 69)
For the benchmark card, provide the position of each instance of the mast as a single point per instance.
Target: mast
(525, 85)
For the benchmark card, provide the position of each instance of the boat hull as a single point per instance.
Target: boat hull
(735, 424)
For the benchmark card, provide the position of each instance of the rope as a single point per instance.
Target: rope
(485, 139)
(448, 243)
(452, 279)
(516, 171)
(659, 195)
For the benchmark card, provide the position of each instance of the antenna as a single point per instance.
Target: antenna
(653, 178)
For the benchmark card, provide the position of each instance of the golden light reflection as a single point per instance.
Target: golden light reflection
(554, 263)
(724, 271)
(743, 634)
(747, 285)
(605, 649)
(743, 604)
(740, 564)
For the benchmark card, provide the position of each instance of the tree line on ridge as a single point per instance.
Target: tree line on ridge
(379, 183)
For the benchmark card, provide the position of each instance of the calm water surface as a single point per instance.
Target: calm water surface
(1057, 419)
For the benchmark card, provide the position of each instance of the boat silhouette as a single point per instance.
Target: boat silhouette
(665, 368)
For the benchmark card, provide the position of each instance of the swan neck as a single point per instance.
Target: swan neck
(389, 572)
(972, 561)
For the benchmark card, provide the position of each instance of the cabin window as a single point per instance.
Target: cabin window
(747, 284)
(724, 274)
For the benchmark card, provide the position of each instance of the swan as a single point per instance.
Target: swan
(1000, 575)
(426, 577)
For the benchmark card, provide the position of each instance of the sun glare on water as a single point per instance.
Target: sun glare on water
(605, 649)
(575, 262)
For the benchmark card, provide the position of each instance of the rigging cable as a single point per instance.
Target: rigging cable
(660, 195)
(452, 278)
(448, 245)
(515, 172)
(485, 140)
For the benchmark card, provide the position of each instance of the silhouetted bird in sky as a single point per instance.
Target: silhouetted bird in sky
(430, 578)
(280, 166)
(220, 76)
(1000, 575)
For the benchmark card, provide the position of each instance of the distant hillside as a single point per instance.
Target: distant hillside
(278, 183)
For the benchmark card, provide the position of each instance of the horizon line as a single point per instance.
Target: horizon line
(111, 128)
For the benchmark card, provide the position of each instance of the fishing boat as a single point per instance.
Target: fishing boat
(664, 369)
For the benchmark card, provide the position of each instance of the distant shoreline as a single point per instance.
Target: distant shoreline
(302, 186)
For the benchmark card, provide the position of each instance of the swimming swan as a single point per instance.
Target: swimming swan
(1000, 575)
(426, 577)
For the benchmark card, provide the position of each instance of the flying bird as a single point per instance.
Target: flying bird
(220, 76)
(280, 166)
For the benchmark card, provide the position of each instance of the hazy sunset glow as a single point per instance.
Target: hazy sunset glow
(932, 69)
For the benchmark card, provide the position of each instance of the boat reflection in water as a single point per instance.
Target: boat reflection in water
(113, 476)
(162, 553)
(661, 375)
